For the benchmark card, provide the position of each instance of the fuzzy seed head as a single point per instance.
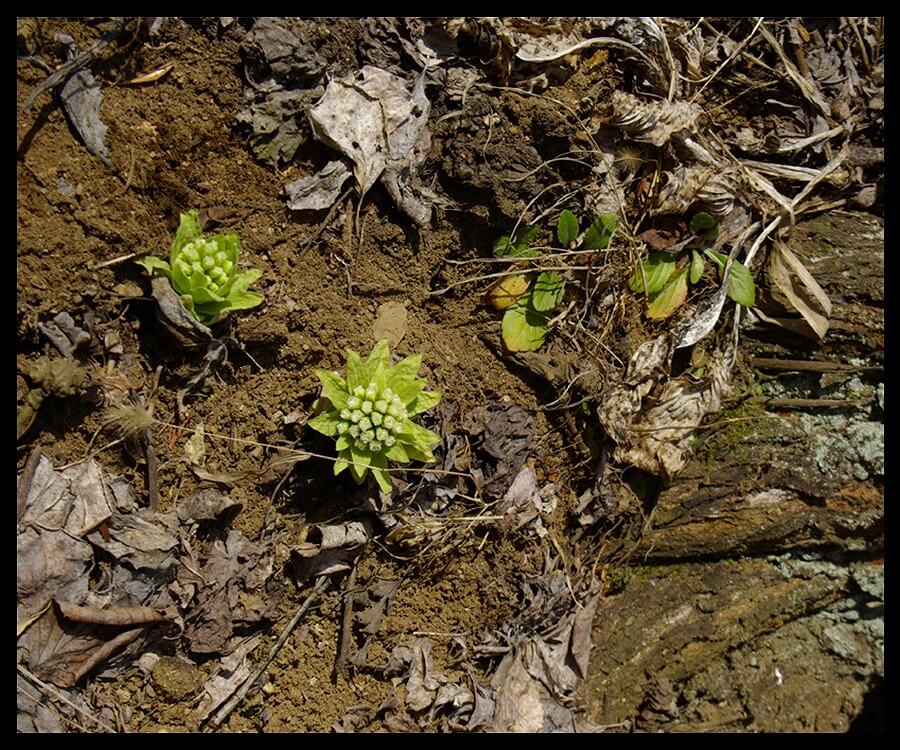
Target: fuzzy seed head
(128, 419)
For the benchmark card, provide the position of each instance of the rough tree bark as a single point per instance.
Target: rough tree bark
(758, 599)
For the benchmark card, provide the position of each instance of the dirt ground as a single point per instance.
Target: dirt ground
(329, 279)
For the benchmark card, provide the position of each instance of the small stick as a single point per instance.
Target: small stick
(242, 691)
(340, 662)
(805, 365)
(152, 469)
(809, 403)
(114, 261)
(54, 693)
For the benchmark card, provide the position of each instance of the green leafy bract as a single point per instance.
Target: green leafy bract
(670, 298)
(697, 266)
(657, 271)
(369, 413)
(203, 271)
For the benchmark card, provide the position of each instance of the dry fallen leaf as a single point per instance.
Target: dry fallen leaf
(803, 293)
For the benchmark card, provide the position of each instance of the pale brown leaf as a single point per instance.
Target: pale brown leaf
(802, 291)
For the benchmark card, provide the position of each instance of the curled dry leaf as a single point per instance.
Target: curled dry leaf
(801, 291)
(655, 434)
(501, 437)
(232, 670)
(81, 98)
(657, 437)
(69, 338)
(655, 121)
(232, 592)
(209, 506)
(329, 548)
(62, 649)
(175, 318)
(320, 190)
(686, 186)
(58, 508)
(143, 540)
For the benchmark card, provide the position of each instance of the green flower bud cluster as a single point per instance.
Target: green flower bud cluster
(372, 418)
(204, 257)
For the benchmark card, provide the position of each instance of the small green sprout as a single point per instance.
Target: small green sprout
(370, 414)
(528, 298)
(666, 285)
(203, 271)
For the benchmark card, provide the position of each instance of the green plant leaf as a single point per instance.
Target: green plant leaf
(697, 267)
(380, 472)
(523, 327)
(380, 353)
(188, 231)
(424, 401)
(243, 300)
(361, 461)
(426, 457)
(408, 390)
(741, 287)
(517, 245)
(334, 388)
(548, 291)
(326, 423)
(701, 223)
(599, 233)
(153, 264)
(657, 270)
(670, 298)
(342, 462)
(357, 371)
(418, 437)
(402, 379)
(397, 452)
(567, 228)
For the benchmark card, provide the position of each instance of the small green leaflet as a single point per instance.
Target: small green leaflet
(697, 266)
(523, 328)
(548, 291)
(657, 270)
(701, 223)
(518, 244)
(670, 298)
(599, 233)
(567, 229)
(740, 281)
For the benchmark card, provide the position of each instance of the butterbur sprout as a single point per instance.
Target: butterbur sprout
(203, 271)
(369, 414)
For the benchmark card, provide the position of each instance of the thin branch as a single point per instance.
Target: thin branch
(54, 693)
